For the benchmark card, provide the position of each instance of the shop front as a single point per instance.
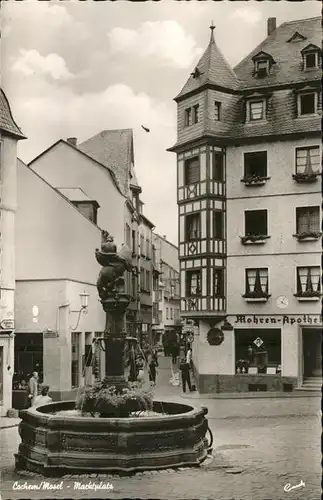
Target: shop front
(259, 353)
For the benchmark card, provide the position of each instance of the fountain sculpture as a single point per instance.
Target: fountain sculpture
(54, 443)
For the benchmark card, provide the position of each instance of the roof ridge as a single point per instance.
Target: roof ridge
(299, 20)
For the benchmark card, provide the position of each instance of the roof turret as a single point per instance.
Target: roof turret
(212, 69)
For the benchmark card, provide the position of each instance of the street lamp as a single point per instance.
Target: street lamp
(84, 297)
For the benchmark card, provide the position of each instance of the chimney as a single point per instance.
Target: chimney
(271, 25)
(72, 141)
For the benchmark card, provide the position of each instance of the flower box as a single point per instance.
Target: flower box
(256, 297)
(254, 239)
(308, 236)
(254, 180)
(305, 178)
(308, 298)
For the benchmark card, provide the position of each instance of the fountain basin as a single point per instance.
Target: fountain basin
(53, 444)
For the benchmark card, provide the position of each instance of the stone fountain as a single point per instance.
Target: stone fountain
(54, 443)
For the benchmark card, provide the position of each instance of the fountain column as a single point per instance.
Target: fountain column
(111, 289)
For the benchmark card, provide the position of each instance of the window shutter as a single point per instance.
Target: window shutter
(192, 171)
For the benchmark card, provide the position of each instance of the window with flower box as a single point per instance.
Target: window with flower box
(255, 227)
(193, 283)
(192, 227)
(308, 282)
(308, 163)
(255, 168)
(307, 223)
(257, 284)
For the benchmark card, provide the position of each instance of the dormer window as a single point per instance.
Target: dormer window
(310, 56)
(262, 68)
(262, 64)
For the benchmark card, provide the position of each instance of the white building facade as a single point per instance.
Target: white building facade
(9, 136)
(249, 213)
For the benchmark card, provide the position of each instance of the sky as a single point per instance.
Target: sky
(73, 69)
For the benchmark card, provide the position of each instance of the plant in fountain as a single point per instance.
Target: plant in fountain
(107, 401)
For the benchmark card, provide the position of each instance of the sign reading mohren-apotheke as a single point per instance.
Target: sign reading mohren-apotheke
(289, 319)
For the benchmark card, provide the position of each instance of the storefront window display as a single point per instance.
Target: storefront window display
(258, 351)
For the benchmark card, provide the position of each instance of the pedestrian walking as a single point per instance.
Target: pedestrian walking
(43, 398)
(186, 379)
(33, 388)
(152, 371)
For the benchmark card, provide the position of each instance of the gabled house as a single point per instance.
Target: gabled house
(55, 270)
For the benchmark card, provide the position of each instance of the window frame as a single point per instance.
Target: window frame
(215, 236)
(299, 103)
(217, 111)
(307, 148)
(314, 53)
(187, 162)
(315, 211)
(249, 117)
(188, 117)
(267, 221)
(219, 294)
(188, 218)
(245, 163)
(258, 68)
(256, 292)
(195, 116)
(188, 282)
(309, 288)
(215, 167)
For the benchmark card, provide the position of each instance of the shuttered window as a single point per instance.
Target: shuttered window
(192, 170)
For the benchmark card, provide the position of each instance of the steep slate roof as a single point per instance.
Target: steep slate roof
(213, 68)
(287, 54)
(114, 150)
(7, 123)
(76, 148)
(287, 73)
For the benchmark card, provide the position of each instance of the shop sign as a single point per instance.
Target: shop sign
(258, 342)
(287, 319)
(7, 324)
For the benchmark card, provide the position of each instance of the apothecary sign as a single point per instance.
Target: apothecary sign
(287, 319)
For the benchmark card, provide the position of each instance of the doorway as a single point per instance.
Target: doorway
(312, 357)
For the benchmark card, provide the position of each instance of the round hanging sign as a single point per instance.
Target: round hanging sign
(215, 336)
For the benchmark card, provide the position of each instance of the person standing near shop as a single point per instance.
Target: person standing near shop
(33, 388)
(185, 367)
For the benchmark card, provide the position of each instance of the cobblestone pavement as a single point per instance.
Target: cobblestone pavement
(259, 446)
